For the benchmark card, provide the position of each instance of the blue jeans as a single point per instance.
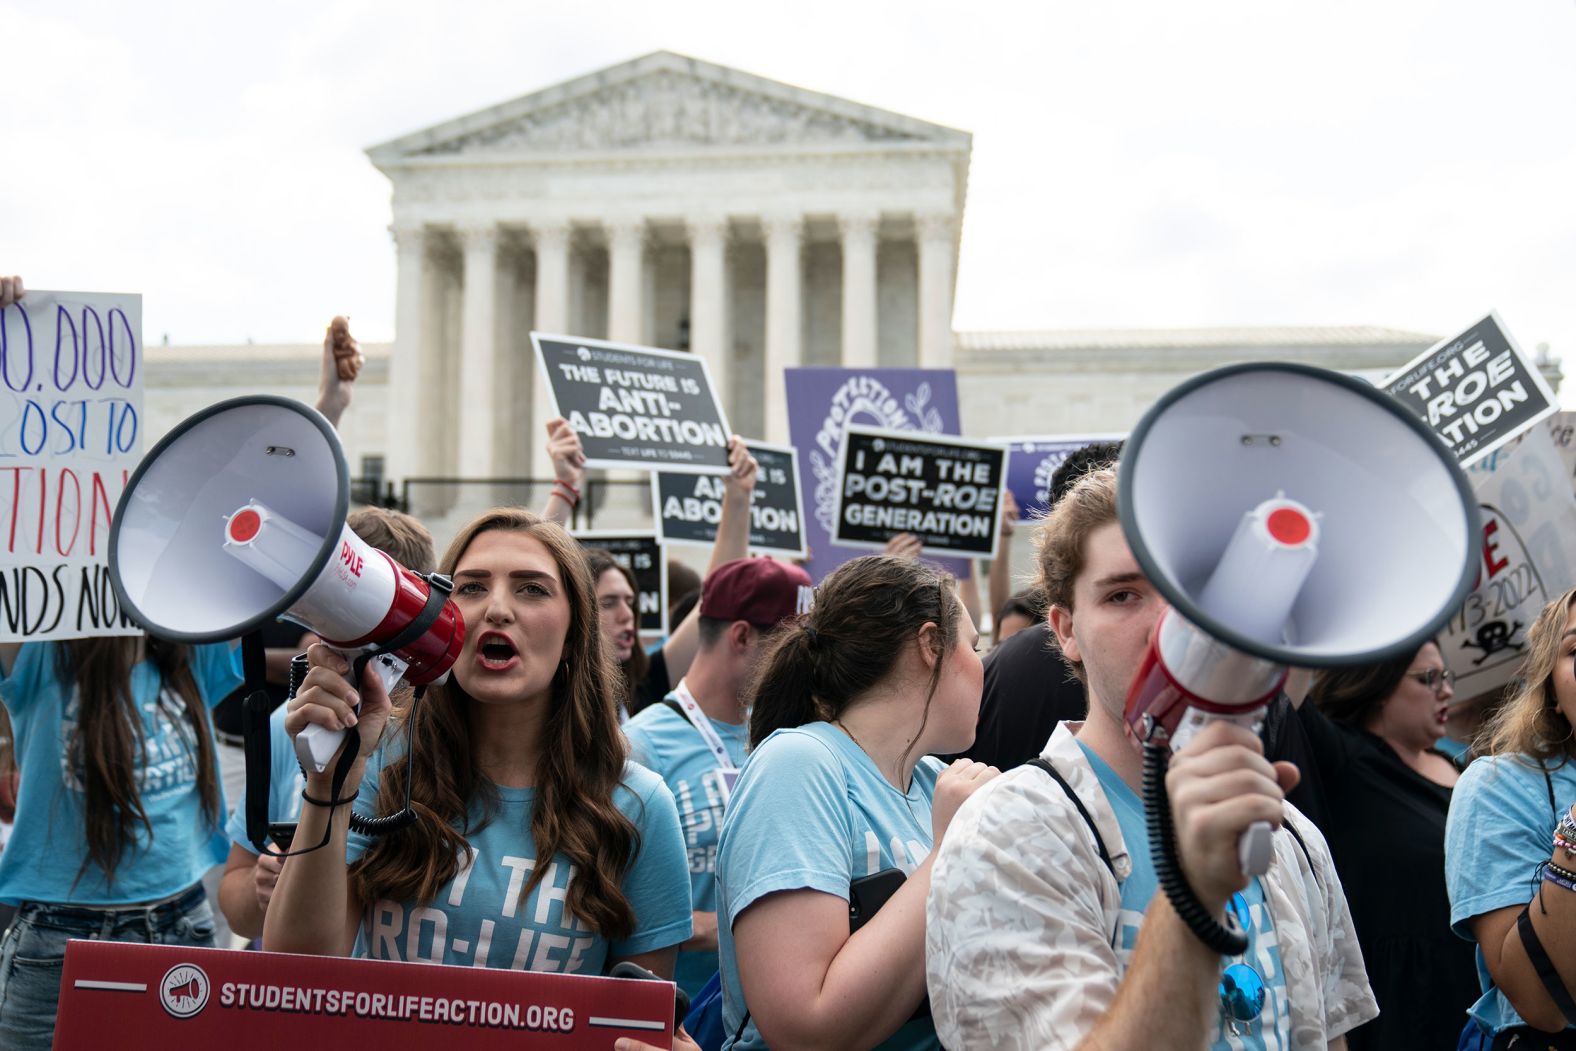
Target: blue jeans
(33, 952)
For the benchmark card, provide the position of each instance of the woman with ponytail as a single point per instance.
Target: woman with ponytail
(120, 809)
(848, 706)
(536, 845)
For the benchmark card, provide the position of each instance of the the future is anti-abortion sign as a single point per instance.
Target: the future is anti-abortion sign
(70, 435)
(688, 507)
(637, 407)
(946, 491)
(1476, 390)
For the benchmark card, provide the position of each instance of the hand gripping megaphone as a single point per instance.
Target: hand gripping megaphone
(237, 517)
(1289, 515)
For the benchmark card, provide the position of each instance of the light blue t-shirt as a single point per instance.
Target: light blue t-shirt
(478, 919)
(49, 839)
(1500, 829)
(666, 742)
(1271, 1031)
(811, 811)
(284, 783)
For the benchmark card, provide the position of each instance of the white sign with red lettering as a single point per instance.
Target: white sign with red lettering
(1527, 558)
(70, 434)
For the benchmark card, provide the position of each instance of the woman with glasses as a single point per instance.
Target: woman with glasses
(1510, 848)
(1371, 731)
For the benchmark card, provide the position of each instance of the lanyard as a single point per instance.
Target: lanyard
(697, 718)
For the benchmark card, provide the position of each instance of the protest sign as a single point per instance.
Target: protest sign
(946, 491)
(1527, 558)
(1476, 390)
(821, 400)
(636, 406)
(688, 507)
(70, 435)
(1032, 461)
(641, 553)
(157, 997)
(1562, 429)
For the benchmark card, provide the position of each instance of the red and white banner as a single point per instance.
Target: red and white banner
(157, 997)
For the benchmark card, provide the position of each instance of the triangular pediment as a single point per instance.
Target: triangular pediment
(661, 101)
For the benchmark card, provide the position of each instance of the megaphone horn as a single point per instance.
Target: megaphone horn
(1289, 515)
(237, 517)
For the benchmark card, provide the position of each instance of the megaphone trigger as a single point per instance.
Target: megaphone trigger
(317, 745)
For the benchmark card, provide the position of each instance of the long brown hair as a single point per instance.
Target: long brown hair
(580, 765)
(864, 614)
(633, 670)
(1531, 723)
(107, 745)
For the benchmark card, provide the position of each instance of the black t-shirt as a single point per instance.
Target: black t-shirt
(1028, 690)
(1387, 834)
(655, 685)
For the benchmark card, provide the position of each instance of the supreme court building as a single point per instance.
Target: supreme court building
(678, 203)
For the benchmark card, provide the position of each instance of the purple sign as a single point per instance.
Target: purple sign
(821, 401)
(1032, 461)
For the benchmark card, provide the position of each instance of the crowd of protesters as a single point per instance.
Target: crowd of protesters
(795, 809)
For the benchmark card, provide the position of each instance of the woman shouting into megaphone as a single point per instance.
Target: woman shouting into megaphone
(536, 846)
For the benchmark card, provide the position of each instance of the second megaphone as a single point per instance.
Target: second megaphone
(237, 518)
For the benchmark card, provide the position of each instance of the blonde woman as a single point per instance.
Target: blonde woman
(1511, 875)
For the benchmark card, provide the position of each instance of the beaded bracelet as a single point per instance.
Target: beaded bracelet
(1558, 881)
(1564, 844)
(1560, 871)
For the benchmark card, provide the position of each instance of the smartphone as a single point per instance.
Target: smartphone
(866, 895)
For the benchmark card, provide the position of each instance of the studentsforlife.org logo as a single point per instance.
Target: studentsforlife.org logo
(184, 990)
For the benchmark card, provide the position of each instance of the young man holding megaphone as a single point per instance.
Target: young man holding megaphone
(1110, 963)
(1263, 516)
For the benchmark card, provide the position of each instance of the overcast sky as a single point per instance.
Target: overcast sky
(1137, 163)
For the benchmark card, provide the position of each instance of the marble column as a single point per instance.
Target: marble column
(709, 301)
(784, 240)
(859, 289)
(626, 279)
(405, 414)
(935, 236)
(552, 317)
(478, 401)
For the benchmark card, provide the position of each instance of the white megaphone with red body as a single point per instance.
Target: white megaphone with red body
(237, 518)
(1290, 516)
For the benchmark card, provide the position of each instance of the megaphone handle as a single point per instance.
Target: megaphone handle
(1256, 848)
(315, 746)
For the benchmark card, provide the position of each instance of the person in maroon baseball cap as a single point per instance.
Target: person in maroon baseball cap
(695, 739)
(760, 591)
